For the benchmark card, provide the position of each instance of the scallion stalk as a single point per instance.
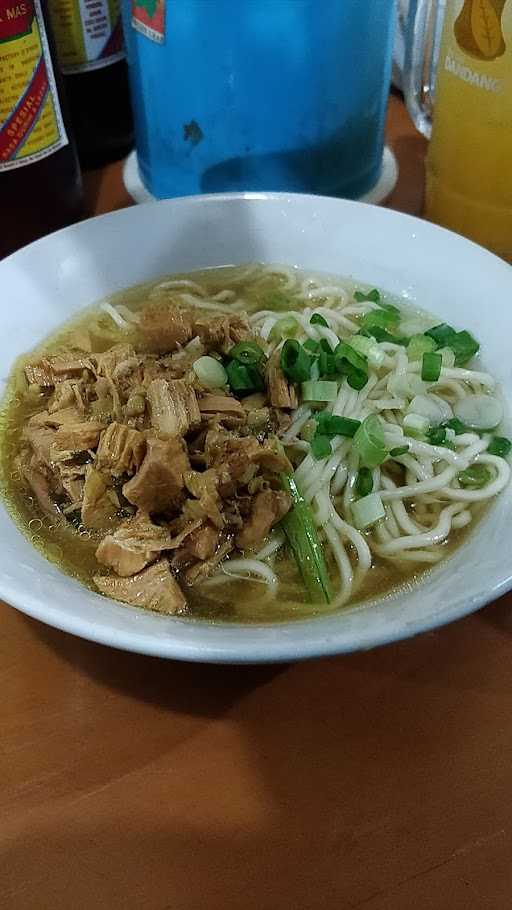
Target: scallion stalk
(330, 425)
(319, 390)
(318, 319)
(247, 352)
(475, 477)
(295, 361)
(321, 446)
(302, 536)
(369, 442)
(500, 446)
(364, 482)
(431, 367)
(418, 346)
(367, 511)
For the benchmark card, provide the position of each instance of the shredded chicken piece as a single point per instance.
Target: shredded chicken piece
(158, 484)
(165, 327)
(281, 393)
(138, 542)
(59, 418)
(40, 439)
(72, 478)
(49, 371)
(100, 503)
(119, 434)
(107, 363)
(204, 486)
(221, 405)
(77, 437)
(203, 542)
(121, 450)
(68, 394)
(196, 574)
(173, 407)
(268, 507)
(133, 546)
(220, 333)
(39, 483)
(154, 589)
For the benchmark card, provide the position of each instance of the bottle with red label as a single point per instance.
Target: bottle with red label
(89, 39)
(40, 184)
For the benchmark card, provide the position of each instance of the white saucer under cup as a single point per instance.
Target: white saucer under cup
(377, 195)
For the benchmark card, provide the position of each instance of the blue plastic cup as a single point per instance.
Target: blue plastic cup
(259, 94)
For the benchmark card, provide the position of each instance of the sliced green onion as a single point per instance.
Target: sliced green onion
(315, 370)
(464, 346)
(311, 346)
(364, 482)
(369, 442)
(499, 445)
(456, 425)
(362, 296)
(247, 352)
(325, 346)
(383, 335)
(301, 534)
(383, 319)
(352, 364)
(391, 307)
(418, 346)
(415, 425)
(369, 348)
(475, 477)
(437, 436)
(295, 361)
(318, 319)
(210, 372)
(244, 379)
(327, 364)
(441, 334)
(286, 327)
(330, 425)
(447, 356)
(399, 450)
(319, 390)
(431, 367)
(367, 511)
(321, 447)
(357, 379)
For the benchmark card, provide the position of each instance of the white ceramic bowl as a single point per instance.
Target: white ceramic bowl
(45, 283)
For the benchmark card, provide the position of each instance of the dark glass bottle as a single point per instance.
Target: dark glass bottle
(91, 56)
(40, 183)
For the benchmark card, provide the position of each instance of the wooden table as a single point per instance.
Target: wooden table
(380, 781)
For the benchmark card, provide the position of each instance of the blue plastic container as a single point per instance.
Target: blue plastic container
(259, 94)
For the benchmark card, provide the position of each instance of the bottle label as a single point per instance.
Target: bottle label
(31, 124)
(148, 18)
(88, 33)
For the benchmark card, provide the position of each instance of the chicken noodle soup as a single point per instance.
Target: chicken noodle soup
(251, 443)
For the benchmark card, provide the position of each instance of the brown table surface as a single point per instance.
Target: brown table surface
(380, 780)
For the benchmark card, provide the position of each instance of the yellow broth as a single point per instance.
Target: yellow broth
(72, 547)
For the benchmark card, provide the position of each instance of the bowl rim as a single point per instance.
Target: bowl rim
(258, 648)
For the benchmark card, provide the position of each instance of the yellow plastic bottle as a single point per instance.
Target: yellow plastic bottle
(469, 161)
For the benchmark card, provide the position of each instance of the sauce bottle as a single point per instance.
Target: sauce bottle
(90, 50)
(40, 183)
